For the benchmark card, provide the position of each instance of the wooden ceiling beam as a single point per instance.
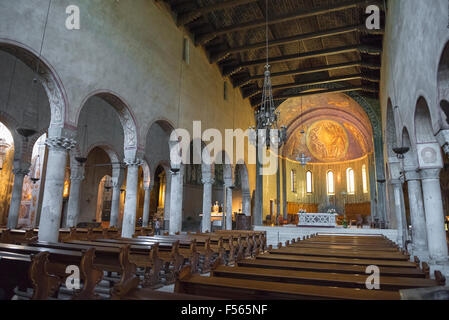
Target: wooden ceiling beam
(220, 55)
(327, 80)
(246, 80)
(203, 38)
(187, 17)
(256, 103)
(371, 50)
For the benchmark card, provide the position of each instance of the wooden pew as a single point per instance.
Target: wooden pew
(235, 289)
(59, 259)
(374, 255)
(331, 268)
(27, 271)
(347, 261)
(323, 279)
(99, 260)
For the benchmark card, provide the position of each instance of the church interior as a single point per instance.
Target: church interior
(224, 149)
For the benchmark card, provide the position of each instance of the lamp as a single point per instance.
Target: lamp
(401, 151)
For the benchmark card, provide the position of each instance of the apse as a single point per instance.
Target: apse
(334, 135)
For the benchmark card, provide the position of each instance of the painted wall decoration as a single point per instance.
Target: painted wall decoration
(327, 141)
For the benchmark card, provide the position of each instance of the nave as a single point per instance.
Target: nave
(233, 265)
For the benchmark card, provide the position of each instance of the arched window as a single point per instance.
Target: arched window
(350, 181)
(309, 182)
(364, 179)
(293, 181)
(330, 183)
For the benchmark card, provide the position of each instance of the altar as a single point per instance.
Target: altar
(319, 220)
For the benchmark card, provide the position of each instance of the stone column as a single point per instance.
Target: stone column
(129, 215)
(380, 178)
(246, 203)
(16, 198)
(146, 206)
(419, 233)
(433, 204)
(115, 204)
(76, 177)
(207, 204)
(258, 203)
(278, 191)
(117, 182)
(168, 176)
(54, 188)
(176, 197)
(401, 225)
(284, 189)
(228, 207)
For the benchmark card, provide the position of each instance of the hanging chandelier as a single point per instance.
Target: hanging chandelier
(266, 116)
(303, 160)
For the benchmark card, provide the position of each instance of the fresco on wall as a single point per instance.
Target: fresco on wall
(328, 128)
(327, 141)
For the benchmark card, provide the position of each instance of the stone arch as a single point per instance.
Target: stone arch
(410, 158)
(132, 139)
(443, 86)
(49, 79)
(423, 123)
(391, 134)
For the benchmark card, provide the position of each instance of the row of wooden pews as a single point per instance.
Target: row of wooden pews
(318, 267)
(131, 267)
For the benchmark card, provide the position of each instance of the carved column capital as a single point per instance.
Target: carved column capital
(208, 180)
(60, 143)
(412, 175)
(133, 162)
(20, 171)
(430, 174)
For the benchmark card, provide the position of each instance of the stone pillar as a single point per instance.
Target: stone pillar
(115, 203)
(380, 178)
(16, 198)
(228, 207)
(284, 189)
(278, 191)
(76, 177)
(207, 204)
(246, 203)
(146, 206)
(433, 204)
(419, 233)
(401, 225)
(176, 197)
(54, 188)
(258, 203)
(168, 176)
(129, 215)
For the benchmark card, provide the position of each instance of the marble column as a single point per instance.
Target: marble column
(54, 188)
(115, 203)
(207, 204)
(228, 207)
(433, 204)
(129, 215)
(419, 233)
(146, 206)
(168, 176)
(176, 197)
(284, 189)
(401, 224)
(278, 192)
(16, 198)
(76, 177)
(246, 203)
(258, 203)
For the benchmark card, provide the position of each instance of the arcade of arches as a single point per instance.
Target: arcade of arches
(85, 126)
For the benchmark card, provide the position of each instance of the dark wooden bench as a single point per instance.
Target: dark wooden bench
(240, 289)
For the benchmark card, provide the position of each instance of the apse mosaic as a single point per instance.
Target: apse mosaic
(327, 141)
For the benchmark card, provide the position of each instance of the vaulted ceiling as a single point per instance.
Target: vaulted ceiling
(316, 46)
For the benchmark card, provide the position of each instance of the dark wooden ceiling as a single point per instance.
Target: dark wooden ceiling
(316, 46)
